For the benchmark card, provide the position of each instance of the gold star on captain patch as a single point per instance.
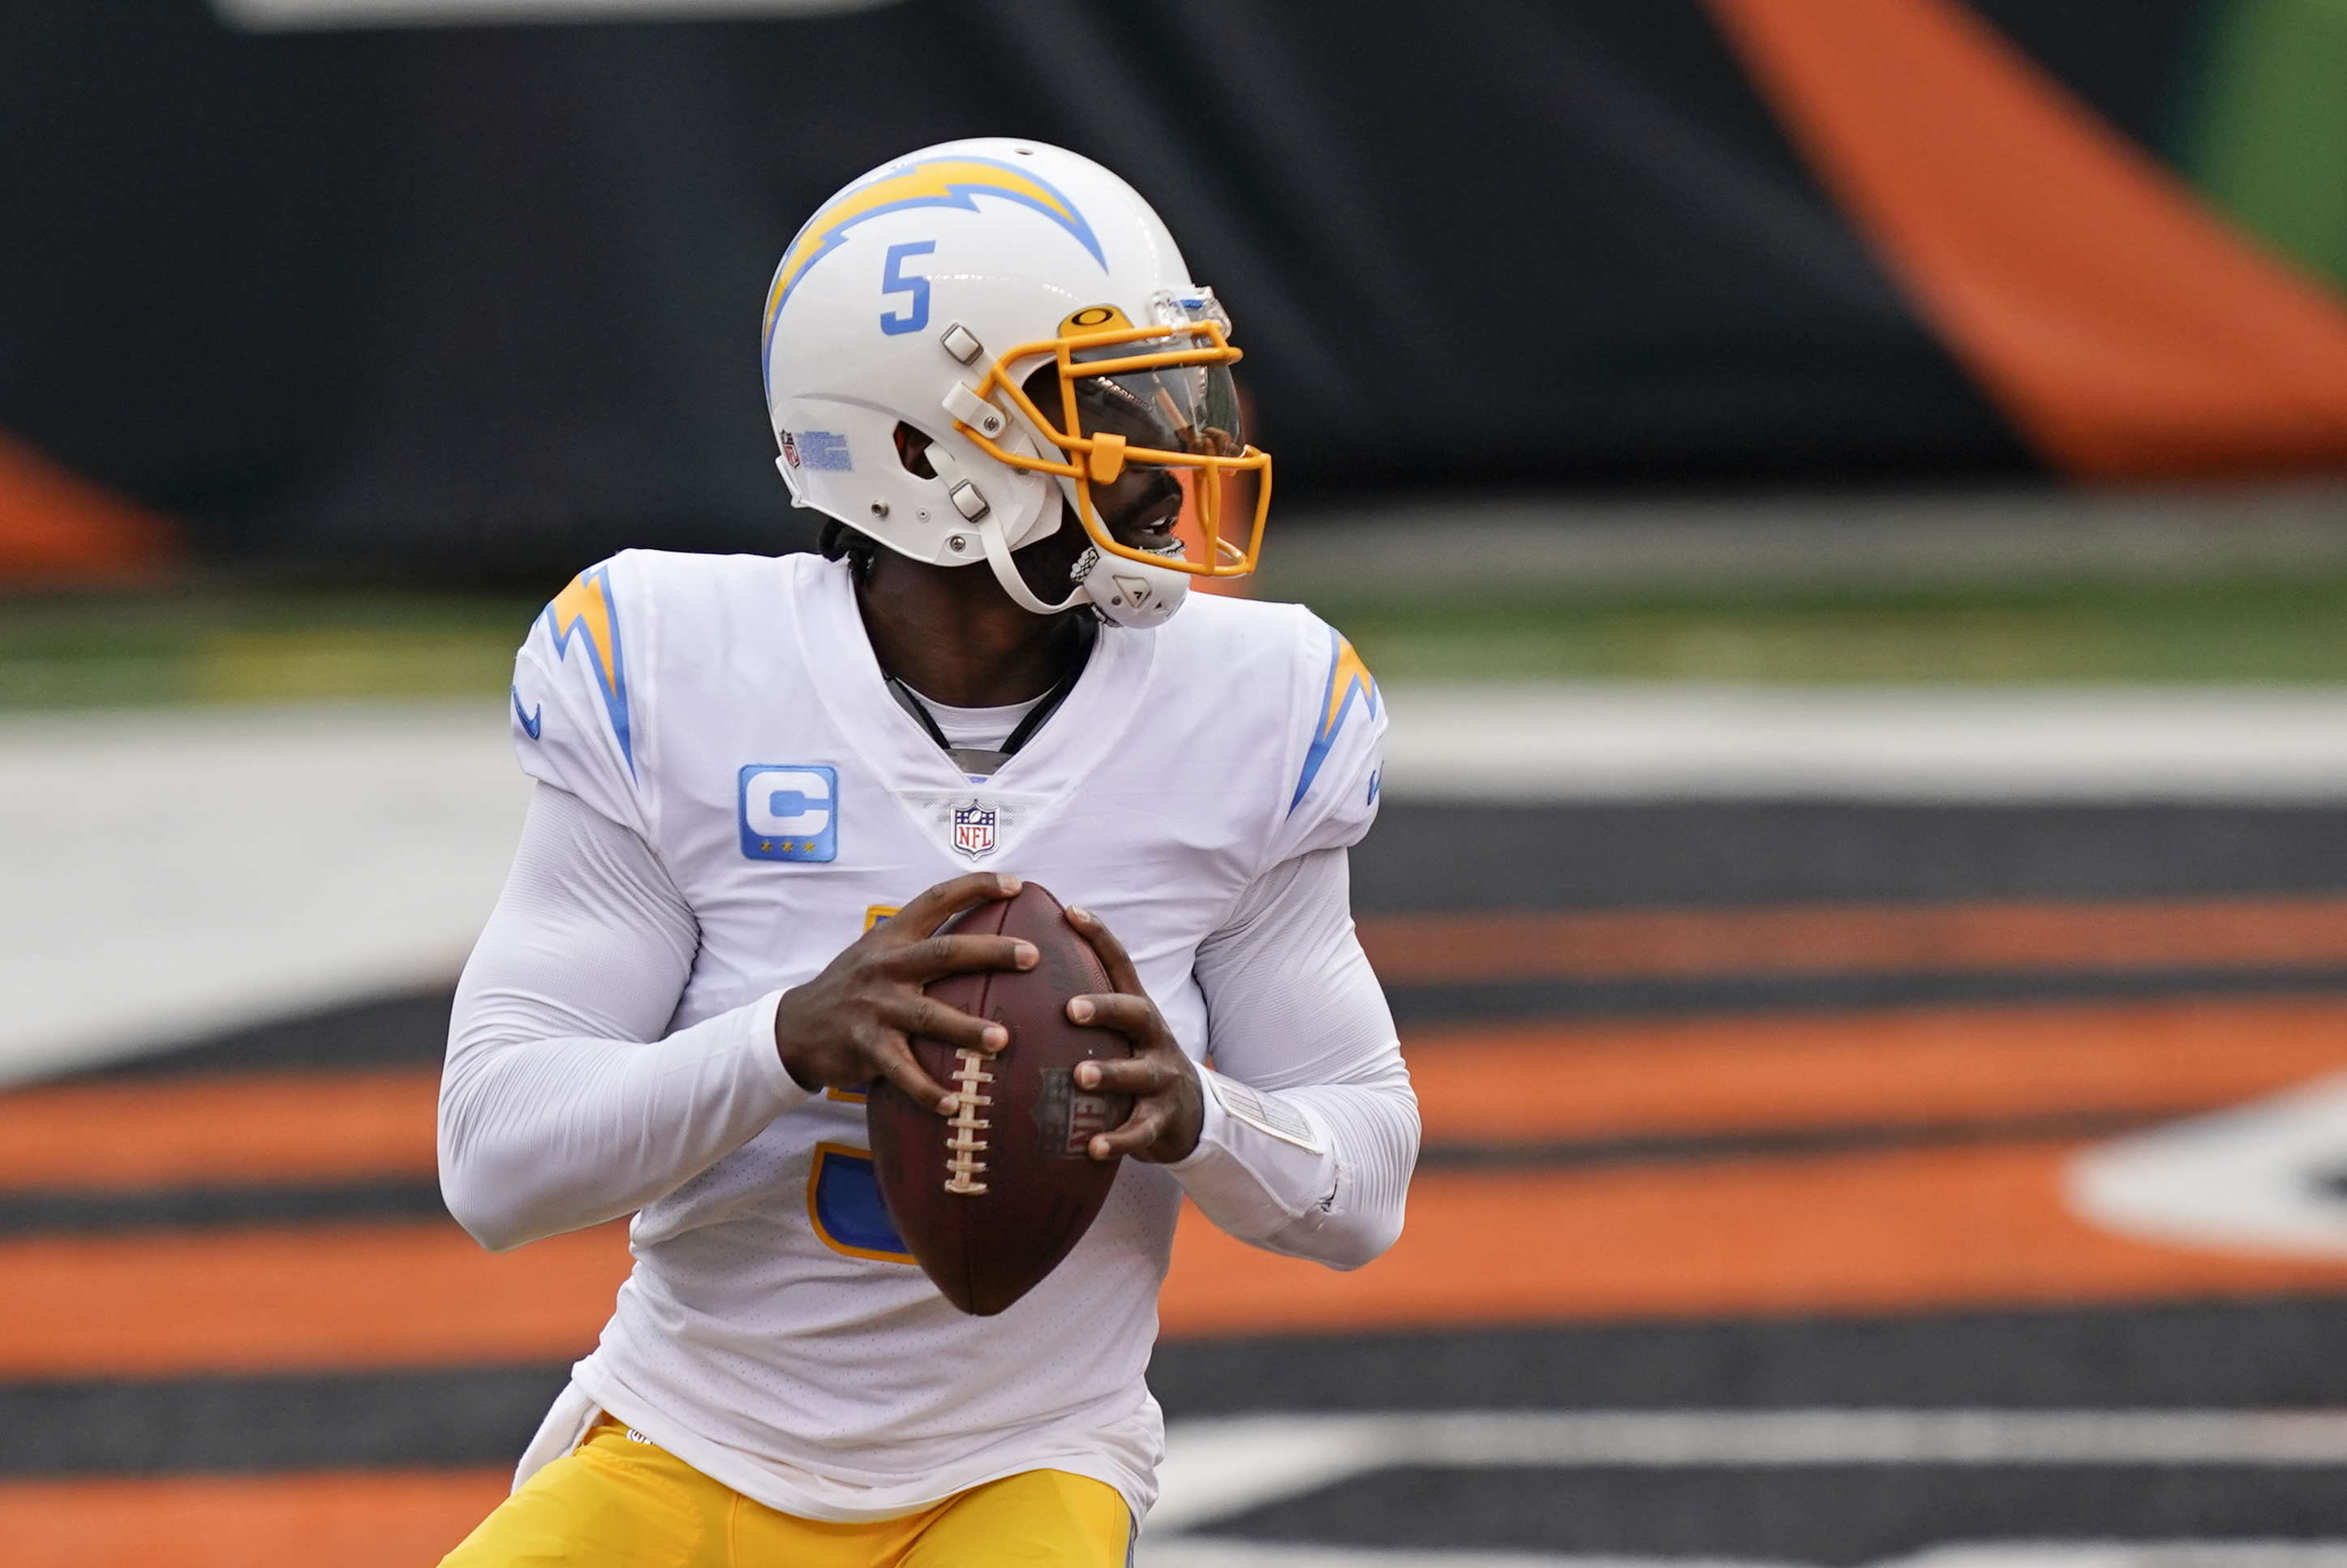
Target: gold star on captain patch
(765, 845)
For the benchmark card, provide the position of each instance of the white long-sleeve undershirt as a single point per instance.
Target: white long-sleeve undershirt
(564, 1103)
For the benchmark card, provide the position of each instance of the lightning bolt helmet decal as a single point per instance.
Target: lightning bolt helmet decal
(932, 182)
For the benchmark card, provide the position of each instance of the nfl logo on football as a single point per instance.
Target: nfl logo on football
(974, 829)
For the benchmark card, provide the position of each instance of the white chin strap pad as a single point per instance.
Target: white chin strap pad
(1125, 592)
(1006, 571)
(1129, 593)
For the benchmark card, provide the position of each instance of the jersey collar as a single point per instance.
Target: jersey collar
(1093, 718)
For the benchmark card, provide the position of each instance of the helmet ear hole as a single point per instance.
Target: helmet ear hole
(913, 451)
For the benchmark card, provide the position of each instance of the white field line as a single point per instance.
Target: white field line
(1214, 1467)
(1639, 741)
(168, 874)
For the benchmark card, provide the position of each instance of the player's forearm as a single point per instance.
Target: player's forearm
(1320, 1172)
(561, 1106)
(1311, 1128)
(542, 1135)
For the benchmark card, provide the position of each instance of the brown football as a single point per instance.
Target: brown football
(990, 1200)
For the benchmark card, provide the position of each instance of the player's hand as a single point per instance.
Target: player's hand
(1168, 1102)
(854, 1023)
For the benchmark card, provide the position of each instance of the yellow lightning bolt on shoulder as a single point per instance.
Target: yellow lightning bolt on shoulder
(1349, 685)
(584, 611)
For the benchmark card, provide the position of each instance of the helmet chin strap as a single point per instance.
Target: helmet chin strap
(1126, 593)
(988, 527)
(1006, 571)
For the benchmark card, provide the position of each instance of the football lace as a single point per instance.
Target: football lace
(963, 1166)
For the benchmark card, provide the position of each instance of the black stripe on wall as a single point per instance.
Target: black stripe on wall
(1832, 1515)
(1436, 855)
(2283, 1353)
(88, 1212)
(451, 1416)
(1502, 1000)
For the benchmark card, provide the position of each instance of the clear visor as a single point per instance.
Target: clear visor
(1186, 408)
(1118, 401)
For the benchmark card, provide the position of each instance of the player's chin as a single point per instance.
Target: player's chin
(1156, 537)
(1149, 524)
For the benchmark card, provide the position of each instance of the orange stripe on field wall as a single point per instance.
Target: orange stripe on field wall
(376, 1518)
(237, 1127)
(1905, 1231)
(300, 1298)
(56, 527)
(1556, 1082)
(1884, 1232)
(2198, 933)
(2124, 326)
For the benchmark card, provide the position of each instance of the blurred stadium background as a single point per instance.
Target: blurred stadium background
(1847, 499)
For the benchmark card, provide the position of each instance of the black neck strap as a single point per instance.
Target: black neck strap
(977, 760)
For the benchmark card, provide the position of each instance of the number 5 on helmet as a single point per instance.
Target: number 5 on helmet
(936, 293)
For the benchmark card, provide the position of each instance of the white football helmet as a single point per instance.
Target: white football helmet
(929, 292)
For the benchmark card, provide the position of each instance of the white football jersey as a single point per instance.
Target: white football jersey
(730, 710)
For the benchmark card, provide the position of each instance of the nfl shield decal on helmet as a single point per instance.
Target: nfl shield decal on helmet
(973, 826)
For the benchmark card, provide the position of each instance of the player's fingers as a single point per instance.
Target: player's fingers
(1143, 1127)
(932, 957)
(1112, 956)
(932, 907)
(930, 1019)
(1135, 1018)
(894, 1061)
(1139, 1076)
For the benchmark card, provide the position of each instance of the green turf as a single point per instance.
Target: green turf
(240, 645)
(2268, 141)
(2226, 631)
(243, 645)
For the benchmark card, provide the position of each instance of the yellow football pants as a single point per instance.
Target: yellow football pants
(617, 1501)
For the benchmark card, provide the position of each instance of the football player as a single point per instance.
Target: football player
(762, 783)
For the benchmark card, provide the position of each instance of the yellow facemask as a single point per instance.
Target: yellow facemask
(1181, 391)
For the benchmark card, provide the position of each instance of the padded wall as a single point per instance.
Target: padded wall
(485, 299)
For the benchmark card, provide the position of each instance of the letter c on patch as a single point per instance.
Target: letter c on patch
(790, 811)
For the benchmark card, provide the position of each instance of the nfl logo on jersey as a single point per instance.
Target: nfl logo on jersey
(973, 827)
